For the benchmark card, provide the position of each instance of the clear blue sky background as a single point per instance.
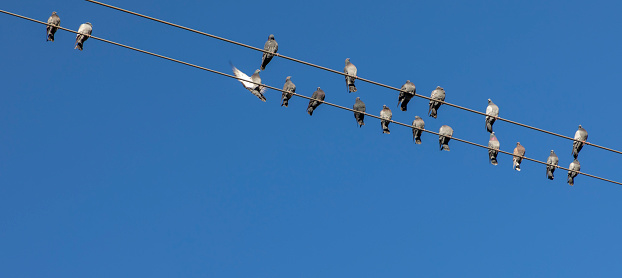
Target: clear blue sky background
(118, 164)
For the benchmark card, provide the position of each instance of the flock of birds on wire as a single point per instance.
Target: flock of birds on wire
(408, 90)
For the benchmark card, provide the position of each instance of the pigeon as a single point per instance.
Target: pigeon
(519, 153)
(255, 89)
(289, 87)
(313, 103)
(580, 136)
(572, 172)
(350, 70)
(272, 46)
(359, 105)
(84, 32)
(405, 97)
(493, 151)
(550, 169)
(53, 22)
(492, 111)
(445, 135)
(418, 126)
(385, 115)
(437, 94)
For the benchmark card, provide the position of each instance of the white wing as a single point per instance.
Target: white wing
(577, 135)
(489, 110)
(244, 78)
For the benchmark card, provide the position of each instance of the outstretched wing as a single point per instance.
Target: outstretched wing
(244, 79)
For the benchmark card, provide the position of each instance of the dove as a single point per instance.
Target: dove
(492, 111)
(52, 27)
(494, 146)
(572, 172)
(519, 153)
(418, 126)
(580, 137)
(289, 87)
(407, 92)
(84, 32)
(272, 46)
(350, 70)
(445, 134)
(359, 105)
(550, 169)
(437, 94)
(255, 89)
(313, 103)
(385, 115)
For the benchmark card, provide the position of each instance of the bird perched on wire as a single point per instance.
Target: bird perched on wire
(272, 47)
(385, 115)
(313, 102)
(574, 167)
(407, 92)
(418, 127)
(553, 160)
(288, 87)
(445, 135)
(437, 94)
(492, 111)
(359, 106)
(350, 70)
(255, 89)
(519, 153)
(493, 151)
(580, 137)
(84, 32)
(52, 27)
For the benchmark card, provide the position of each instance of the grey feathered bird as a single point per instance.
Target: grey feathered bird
(386, 116)
(437, 94)
(494, 146)
(350, 70)
(85, 30)
(313, 103)
(405, 97)
(255, 89)
(445, 135)
(519, 153)
(418, 127)
(289, 87)
(580, 136)
(574, 166)
(492, 111)
(52, 27)
(550, 169)
(272, 46)
(359, 105)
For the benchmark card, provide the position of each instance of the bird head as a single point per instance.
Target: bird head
(439, 88)
(271, 37)
(517, 144)
(384, 107)
(417, 117)
(358, 98)
(288, 78)
(489, 101)
(580, 126)
(53, 12)
(407, 81)
(347, 60)
(89, 24)
(552, 152)
(257, 71)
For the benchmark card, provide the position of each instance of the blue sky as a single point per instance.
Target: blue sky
(118, 164)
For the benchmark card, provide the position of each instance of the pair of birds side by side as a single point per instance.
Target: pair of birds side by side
(84, 31)
(253, 83)
(580, 138)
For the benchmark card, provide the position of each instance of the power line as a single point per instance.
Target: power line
(299, 95)
(341, 73)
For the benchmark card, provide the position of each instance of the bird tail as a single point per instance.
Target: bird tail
(50, 36)
(403, 107)
(418, 140)
(446, 147)
(432, 111)
(570, 179)
(78, 46)
(489, 123)
(361, 123)
(549, 172)
(285, 102)
(310, 111)
(517, 166)
(492, 156)
(576, 148)
(351, 88)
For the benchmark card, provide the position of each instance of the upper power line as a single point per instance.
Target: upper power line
(303, 96)
(341, 73)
